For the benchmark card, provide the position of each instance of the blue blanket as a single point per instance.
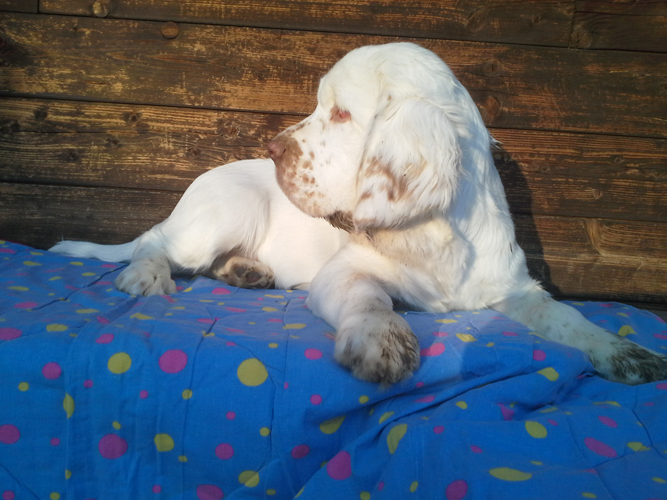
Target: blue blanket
(218, 392)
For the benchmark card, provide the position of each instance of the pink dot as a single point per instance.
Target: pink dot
(475, 449)
(340, 466)
(285, 385)
(87, 384)
(552, 422)
(105, 338)
(425, 399)
(235, 309)
(508, 413)
(8, 495)
(300, 451)
(7, 250)
(206, 321)
(231, 344)
(600, 448)
(231, 415)
(380, 485)
(435, 350)
(9, 333)
(25, 305)
(441, 334)
(313, 354)
(506, 334)
(539, 355)
(173, 361)
(316, 399)
(419, 384)
(51, 371)
(221, 291)
(456, 490)
(438, 429)
(9, 434)
(157, 488)
(224, 451)
(209, 492)
(112, 447)
(662, 386)
(608, 421)
(102, 320)
(143, 394)
(55, 441)
(660, 336)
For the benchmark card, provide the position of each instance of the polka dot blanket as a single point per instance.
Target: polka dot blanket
(217, 392)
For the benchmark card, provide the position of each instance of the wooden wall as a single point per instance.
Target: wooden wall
(109, 109)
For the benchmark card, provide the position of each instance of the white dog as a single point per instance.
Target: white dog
(388, 190)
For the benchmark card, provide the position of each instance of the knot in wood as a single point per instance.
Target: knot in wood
(101, 8)
(169, 30)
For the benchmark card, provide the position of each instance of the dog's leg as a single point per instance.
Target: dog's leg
(242, 272)
(374, 342)
(615, 358)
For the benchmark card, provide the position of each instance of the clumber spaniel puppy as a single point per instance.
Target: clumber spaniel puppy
(387, 191)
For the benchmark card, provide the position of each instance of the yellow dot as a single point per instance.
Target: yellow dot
(465, 337)
(364, 495)
(507, 474)
(55, 327)
(363, 400)
(269, 309)
(413, 486)
(386, 415)
(294, 326)
(490, 344)
(275, 296)
(18, 288)
(76, 263)
(182, 458)
(178, 307)
(188, 289)
(88, 274)
(331, 426)
(54, 496)
(395, 435)
(637, 446)
(462, 404)
(271, 492)
(31, 263)
(163, 442)
(659, 480)
(141, 316)
(589, 495)
(535, 429)
(24, 386)
(535, 462)
(265, 431)
(55, 278)
(119, 363)
(86, 311)
(68, 405)
(549, 373)
(300, 491)
(445, 321)
(116, 425)
(273, 345)
(187, 394)
(249, 477)
(68, 474)
(252, 372)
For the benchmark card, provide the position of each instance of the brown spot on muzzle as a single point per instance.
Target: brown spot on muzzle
(286, 163)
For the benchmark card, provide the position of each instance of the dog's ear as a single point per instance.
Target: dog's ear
(410, 166)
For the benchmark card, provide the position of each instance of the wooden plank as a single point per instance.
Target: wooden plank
(618, 24)
(530, 22)
(147, 147)
(278, 71)
(19, 5)
(578, 257)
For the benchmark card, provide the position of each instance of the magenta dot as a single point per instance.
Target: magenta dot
(209, 492)
(236, 309)
(438, 429)
(608, 421)
(221, 291)
(224, 451)
(157, 488)
(9, 434)
(231, 415)
(508, 413)
(300, 451)
(539, 355)
(552, 422)
(660, 336)
(207, 321)
(456, 490)
(441, 334)
(285, 385)
(55, 441)
(112, 447)
(102, 320)
(9, 334)
(506, 334)
(143, 394)
(380, 485)
(475, 449)
(173, 361)
(25, 305)
(340, 466)
(105, 338)
(7, 250)
(661, 386)
(435, 350)
(8, 495)
(600, 448)
(316, 399)
(87, 384)
(425, 399)
(419, 384)
(51, 371)
(313, 354)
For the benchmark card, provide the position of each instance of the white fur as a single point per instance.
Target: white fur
(396, 153)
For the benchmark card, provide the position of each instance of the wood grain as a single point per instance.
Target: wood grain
(620, 25)
(277, 71)
(19, 5)
(531, 22)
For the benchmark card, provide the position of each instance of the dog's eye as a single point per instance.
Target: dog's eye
(340, 115)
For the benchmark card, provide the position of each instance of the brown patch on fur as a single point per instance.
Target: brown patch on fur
(341, 220)
(396, 186)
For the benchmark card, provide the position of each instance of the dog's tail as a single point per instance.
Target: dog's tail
(615, 358)
(86, 250)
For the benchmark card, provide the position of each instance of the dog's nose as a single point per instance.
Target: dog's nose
(276, 149)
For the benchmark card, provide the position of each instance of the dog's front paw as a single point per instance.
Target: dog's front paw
(146, 277)
(624, 361)
(377, 346)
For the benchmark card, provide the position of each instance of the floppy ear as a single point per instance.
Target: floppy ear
(410, 166)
